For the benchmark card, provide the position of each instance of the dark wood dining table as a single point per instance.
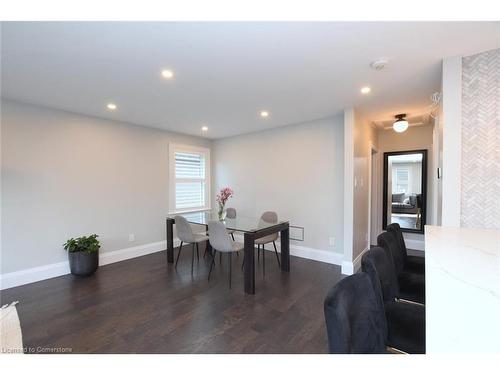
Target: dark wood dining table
(252, 229)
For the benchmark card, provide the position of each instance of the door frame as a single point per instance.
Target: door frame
(372, 174)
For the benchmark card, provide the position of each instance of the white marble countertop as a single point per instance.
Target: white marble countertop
(462, 272)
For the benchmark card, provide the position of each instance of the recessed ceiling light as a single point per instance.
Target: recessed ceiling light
(366, 90)
(167, 74)
(204, 128)
(112, 106)
(264, 114)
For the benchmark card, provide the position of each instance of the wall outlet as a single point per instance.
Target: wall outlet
(332, 241)
(131, 237)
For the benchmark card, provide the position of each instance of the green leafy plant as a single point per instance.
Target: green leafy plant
(87, 244)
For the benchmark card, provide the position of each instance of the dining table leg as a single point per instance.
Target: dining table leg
(207, 244)
(249, 268)
(170, 240)
(285, 249)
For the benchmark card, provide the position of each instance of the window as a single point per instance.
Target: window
(189, 178)
(401, 180)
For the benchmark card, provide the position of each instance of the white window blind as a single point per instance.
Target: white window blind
(190, 178)
(401, 179)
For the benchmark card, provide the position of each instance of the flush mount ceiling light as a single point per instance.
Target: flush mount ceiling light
(400, 125)
(379, 64)
(204, 128)
(264, 114)
(365, 90)
(111, 106)
(167, 74)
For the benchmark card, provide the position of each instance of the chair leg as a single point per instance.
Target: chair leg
(230, 264)
(212, 263)
(263, 260)
(258, 253)
(232, 236)
(220, 258)
(276, 252)
(178, 255)
(197, 252)
(192, 260)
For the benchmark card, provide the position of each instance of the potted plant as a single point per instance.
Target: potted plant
(83, 254)
(222, 197)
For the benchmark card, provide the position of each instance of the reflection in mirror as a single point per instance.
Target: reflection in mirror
(404, 189)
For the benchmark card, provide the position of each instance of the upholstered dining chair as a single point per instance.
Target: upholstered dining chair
(231, 214)
(411, 263)
(268, 217)
(186, 235)
(405, 320)
(411, 284)
(354, 315)
(221, 242)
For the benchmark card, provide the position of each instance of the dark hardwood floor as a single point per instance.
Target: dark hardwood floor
(144, 305)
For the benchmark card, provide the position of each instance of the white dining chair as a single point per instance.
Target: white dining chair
(268, 217)
(221, 242)
(231, 214)
(186, 235)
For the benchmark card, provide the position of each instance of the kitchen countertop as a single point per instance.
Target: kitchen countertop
(462, 290)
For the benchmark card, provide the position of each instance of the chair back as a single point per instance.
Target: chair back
(390, 244)
(355, 318)
(376, 264)
(231, 213)
(395, 229)
(184, 230)
(270, 217)
(218, 236)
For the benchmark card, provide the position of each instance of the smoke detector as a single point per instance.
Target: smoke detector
(379, 64)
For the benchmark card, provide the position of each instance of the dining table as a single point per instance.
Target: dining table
(252, 229)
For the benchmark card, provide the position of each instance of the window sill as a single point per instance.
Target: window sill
(189, 210)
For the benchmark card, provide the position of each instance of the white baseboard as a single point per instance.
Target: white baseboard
(305, 252)
(31, 275)
(350, 268)
(415, 244)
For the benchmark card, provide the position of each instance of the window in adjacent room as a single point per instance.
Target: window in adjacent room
(189, 178)
(401, 180)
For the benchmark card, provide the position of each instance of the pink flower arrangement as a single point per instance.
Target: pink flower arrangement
(224, 195)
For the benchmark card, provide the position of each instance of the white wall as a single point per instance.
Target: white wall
(66, 175)
(295, 170)
(452, 141)
(365, 136)
(360, 138)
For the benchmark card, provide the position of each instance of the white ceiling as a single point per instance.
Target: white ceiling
(226, 73)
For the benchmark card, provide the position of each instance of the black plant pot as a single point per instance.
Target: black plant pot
(83, 264)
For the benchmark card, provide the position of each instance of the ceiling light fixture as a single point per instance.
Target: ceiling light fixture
(366, 90)
(204, 128)
(264, 114)
(168, 74)
(401, 124)
(379, 64)
(111, 106)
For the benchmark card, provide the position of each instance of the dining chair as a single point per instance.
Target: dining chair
(354, 316)
(186, 235)
(411, 263)
(405, 319)
(231, 214)
(268, 217)
(221, 242)
(411, 284)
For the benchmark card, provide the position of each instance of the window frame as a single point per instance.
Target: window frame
(173, 148)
